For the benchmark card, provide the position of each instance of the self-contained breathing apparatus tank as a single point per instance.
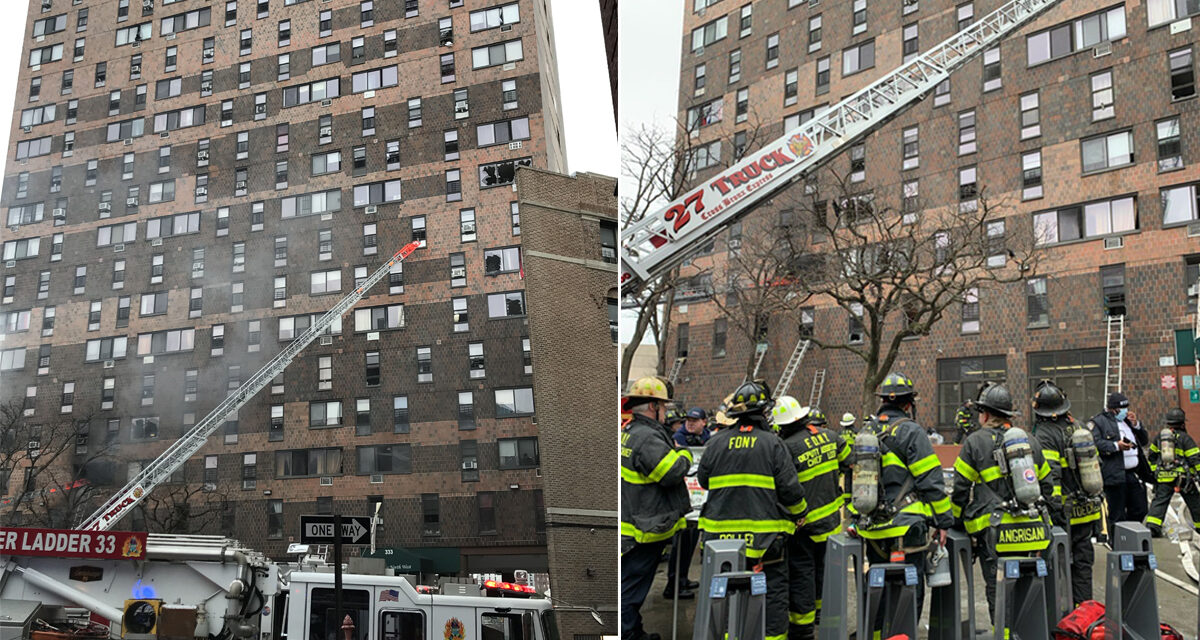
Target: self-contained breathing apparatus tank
(1085, 460)
(865, 481)
(1015, 457)
(1166, 446)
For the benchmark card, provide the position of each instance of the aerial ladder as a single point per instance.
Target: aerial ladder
(664, 239)
(181, 450)
(792, 366)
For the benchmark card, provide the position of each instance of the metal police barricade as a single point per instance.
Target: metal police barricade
(1130, 598)
(951, 616)
(890, 598)
(886, 592)
(1022, 612)
(722, 558)
(843, 575)
(1058, 583)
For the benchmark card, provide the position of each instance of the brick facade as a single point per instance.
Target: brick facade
(63, 178)
(1153, 253)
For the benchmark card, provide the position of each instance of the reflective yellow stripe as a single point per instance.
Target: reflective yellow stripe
(821, 469)
(741, 480)
(844, 453)
(924, 465)
(966, 470)
(956, 510)
(896, 531)
(919, 508)
(991, 473)
(1091, 517)
(755, 553)
(1022, 546)
(747, 526)
(1056, 491)
(1051, 454)
(978, 524)
(890, 459)
(1153, 520)
(633, 477)
(822, 537)
(941, 506)
(824, 511)
(1195, 451)
(668, 461)
(809, 617)
(799, 508)
(627, 529)
(1043, 471)
(818, 603)
(782, 636)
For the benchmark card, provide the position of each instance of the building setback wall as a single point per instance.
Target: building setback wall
(570, 285)
(239, 228)
(1154, 253)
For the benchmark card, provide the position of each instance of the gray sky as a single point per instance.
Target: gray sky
(583, 78)
(651, 35)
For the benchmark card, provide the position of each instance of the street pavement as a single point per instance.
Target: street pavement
(1177, 607)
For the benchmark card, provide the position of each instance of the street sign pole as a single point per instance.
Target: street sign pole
(337, 571)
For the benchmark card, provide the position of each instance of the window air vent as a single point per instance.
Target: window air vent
(1114, 243)
(326, 481)
(128, 141)
(27, 128)
(371, 209)
(108, 364)
(326, 340)
(118, 248)
(1193, 229)
(1102, 49)
(326, 102)
(157, 242)
(377, 478)
(10, 264)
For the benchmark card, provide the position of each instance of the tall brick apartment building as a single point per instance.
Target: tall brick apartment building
(190, 182)
(1084, 123)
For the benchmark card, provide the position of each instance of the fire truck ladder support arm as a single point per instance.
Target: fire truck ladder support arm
(662, 240)
(191, 442)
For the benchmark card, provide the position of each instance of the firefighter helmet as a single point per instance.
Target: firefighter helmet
(847, 420)
(816, 418)
(751, 398)
(674, 415)
(996, 400)
(787, 410)
(1175, 416)
(651, 388)
(1049, 401)
(897, 386)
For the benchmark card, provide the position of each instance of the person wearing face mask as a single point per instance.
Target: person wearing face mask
(1119, 438)
(654, 497)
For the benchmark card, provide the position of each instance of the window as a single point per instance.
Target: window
(502, 132)
(466, 410)
(1037, 303)
(773, 51)
(1163, 11)
(379, 318)
(116, 234)
(16, 321)
(377, 193)
(968, 187)
(153, 304)
(311, 92)
(745, 20)
(515, 214)
(1030, 116)
(1106, 152)
(506, 260)
(858, 162)
(179, 119)
(311, 204)
(503, 305)
(735, 65)
(170, 341)
(430, 515)
(959, 380)
(97, 349)
(418, 230)
(43, 55)
(1082, 33)
(496, 54)
(1085, 221)
(414, 112)
(372, 79)
(185, 21)
(501, 173)
(309, 462)
(518, 453)
(1080, 371)
(325, 282)
(323, 163)
(814, 33)
(1031, 175)
(966, 132)
(706, 35)
(1183, 77)
(27, 248)
(1170, 155)
(37, 115)
(325, 414)
(857, 58)
(911, 148)
(424, 364)
(742, 105)
(991, 69)
(125, 129)
(705, 114)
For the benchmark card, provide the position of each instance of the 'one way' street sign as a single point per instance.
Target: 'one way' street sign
(319, 530)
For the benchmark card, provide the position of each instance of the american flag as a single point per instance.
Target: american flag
(389, 595)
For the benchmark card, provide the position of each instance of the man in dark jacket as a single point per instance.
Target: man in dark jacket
(692, 432)
(983, 491)
(1178, 475)
(1119, 438)
(1071, 507)
(819, 455)
(654, 498)
(753, 495)
(912, 494)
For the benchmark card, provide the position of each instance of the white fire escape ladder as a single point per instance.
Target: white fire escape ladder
(185, 447)
(793, 365)
(814, 398)
(665, 238)
(1114, 354)
(762, 349)
(674, 375)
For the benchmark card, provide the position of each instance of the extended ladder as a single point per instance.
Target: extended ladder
(792, 366)
(814, 398)
(665, 238)
(1114, 356)
(1196, 329)
(674, 375)
(191, 442)
(762, 353)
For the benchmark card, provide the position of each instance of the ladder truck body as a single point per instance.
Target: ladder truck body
(664, 239)
(185, 447)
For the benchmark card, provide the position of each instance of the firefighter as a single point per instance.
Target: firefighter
(818, 454)
(1078, 487)
(691, 433)
(753, 494)
(654, 498)
(1175, 461)
(1001, 507)
(898, 489)
(847, 424)
(966, 419)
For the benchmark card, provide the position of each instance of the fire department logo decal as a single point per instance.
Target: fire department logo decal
(800, 145)
(132, 548)
(455, 630)
(137, 492)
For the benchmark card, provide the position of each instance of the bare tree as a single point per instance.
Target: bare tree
(898, 271)
(184, 508)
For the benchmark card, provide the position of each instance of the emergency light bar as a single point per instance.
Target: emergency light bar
(508, 588)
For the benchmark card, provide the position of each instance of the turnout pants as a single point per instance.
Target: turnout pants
(878, 552)
(683, 543)
(806, 570)
(1083, 558)
(985, 552)
(1162, 499)
(637, 574)
(774, 565)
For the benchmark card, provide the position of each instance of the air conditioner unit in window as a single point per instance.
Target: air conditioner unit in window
(108, 364)
(1102, 49)
(326, 340)
(131, 202)
(326, 481)
(157, 242)
(59, 213)
(27, 128)
(202, 155)
(239, 185)
(326, 131)
(470, 464)
(10, 264)
(1193, 229)
(371, 209)
(136, 44)
(1114, 243)
(458, 272)
(206, 86)
(260, 108)
(468, 228)
(128, 141)
(135, 68)
(201, 191)
(106, 206)
(147, 4)
(515, 144)
(118, 248)
(1192, 290)
(377, 478)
